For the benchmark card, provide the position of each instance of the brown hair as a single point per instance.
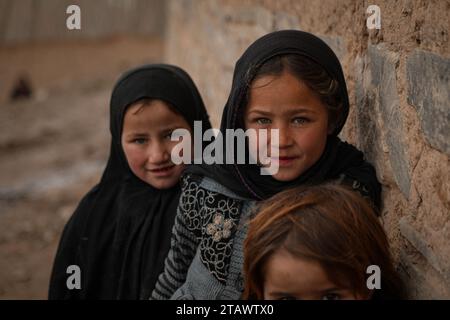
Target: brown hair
(329, 224)
(312, 74)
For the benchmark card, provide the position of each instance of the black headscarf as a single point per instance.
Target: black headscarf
(120, 233)
(338, 157)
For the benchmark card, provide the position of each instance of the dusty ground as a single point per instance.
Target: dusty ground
(53, 149)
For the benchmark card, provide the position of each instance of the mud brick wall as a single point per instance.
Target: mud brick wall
(398, 80)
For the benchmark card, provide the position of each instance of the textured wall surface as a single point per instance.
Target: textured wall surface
(398, 81)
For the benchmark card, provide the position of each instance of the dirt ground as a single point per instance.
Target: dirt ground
(53, 149)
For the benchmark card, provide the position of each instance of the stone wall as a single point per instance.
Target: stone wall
(398, 81)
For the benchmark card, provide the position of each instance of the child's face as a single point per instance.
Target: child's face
(291, 278)
(147, 145)
(287, 104)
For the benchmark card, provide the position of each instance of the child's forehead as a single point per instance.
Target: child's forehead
(137, 106)
(283, 267)
(155, 114)
(281, 90)
(157, 107)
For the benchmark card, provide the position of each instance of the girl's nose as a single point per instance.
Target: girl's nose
(158, 153)
(284, 137)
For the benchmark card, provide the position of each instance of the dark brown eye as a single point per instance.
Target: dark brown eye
(140, 141)
(300, 120)
(262, 121)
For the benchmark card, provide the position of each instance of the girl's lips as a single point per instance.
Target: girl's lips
(162, 172)
(284, 161)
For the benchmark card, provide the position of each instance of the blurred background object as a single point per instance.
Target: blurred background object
(22, 89)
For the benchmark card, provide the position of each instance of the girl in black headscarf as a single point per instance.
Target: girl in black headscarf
(287, 80)
(120, 233)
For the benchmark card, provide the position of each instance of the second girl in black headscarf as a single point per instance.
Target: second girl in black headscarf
(120, 233)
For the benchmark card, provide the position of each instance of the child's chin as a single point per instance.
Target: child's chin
(162, 183)
(166, 183)
(286, 176)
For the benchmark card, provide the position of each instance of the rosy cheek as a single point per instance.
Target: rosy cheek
(135, 158)
(312, 140)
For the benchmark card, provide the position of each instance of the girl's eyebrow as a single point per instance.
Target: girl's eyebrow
(168, 129)
(330, 289)
(290, 112)
(137, 134)
(301, 110)
(260, 112)
(279, 293)
(144, 134)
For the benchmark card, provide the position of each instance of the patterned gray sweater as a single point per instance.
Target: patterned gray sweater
(206, 256)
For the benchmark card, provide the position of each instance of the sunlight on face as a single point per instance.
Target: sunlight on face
(287, 104)
(147, 145)
(291, 278)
